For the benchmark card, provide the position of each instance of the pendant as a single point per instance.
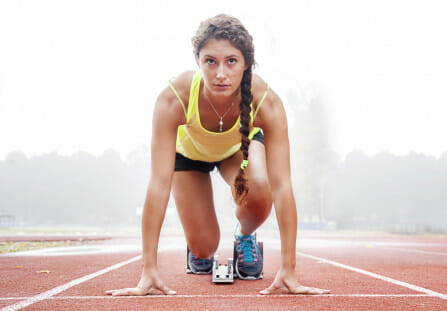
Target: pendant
(220, 125)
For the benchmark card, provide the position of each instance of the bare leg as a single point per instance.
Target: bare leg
(259, 199)
(193, 195)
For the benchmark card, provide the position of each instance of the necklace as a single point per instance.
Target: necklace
(220, 116)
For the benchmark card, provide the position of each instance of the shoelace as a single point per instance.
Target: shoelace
(248, 247)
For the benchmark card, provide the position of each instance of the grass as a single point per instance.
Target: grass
(13, 247)
(69, 230)
(135, 231)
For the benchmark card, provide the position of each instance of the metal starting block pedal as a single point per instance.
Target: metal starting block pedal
(222, 273)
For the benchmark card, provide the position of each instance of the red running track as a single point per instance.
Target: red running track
(363, 273)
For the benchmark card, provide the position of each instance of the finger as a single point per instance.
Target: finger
(122, 292)
(314, 290)
(270, 289)
(113, 292)
(126, 292)
(299, 289)
(151, 291)
(117, 292)
(165, 290)
(303, 290)
(294, 287)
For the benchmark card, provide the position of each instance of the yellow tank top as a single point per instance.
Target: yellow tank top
(197, 143)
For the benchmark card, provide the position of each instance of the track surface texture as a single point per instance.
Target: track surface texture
(363, 272)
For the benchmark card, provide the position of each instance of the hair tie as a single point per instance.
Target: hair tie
(244, 164)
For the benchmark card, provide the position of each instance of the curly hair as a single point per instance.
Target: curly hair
(226, 27)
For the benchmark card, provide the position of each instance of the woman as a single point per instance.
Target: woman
(212, 118)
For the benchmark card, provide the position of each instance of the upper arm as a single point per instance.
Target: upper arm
(167, 116)
(273, 121)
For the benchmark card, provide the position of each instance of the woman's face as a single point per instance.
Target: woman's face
(222, 66)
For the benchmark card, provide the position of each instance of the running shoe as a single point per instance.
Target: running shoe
(199, 265)
(248, 257)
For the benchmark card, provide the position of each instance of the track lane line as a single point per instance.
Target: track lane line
(411, 250)
(241, 296)
(105, 297)
(416, 288)
(54, 291)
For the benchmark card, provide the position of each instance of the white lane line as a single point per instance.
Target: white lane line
(240, 296)
(54, 291)
(226, 296)
(412, 250)
(236, 296)
(377, 276)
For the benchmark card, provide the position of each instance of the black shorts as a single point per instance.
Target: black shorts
(182, 163)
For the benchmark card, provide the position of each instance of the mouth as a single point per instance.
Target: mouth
(222, 86)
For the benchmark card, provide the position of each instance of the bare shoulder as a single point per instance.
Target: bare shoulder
(182, 84)
(272, 106)
(258, 88)
(168, 102)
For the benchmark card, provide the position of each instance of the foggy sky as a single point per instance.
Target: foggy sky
(83, 75)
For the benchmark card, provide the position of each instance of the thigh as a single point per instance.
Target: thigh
(258, 203)
(256, 170)
(193, 195)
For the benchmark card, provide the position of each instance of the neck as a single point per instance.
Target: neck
(222, 100)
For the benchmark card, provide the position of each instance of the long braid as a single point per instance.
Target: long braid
(240, 183)
(226, 27)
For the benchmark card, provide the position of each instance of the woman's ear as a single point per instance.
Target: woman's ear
(197, 61)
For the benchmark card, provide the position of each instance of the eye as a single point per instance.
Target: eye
(210, 61)
(232, 61)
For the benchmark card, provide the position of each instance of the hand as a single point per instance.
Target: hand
(149, 281)
(287, 279)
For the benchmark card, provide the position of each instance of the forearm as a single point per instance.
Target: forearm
(285, 210)
(153, 215)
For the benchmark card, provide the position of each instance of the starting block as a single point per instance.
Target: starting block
(225, 273)
(222, 273)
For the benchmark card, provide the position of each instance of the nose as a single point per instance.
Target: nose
(220, 74)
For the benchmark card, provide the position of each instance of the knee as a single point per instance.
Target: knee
(204, 245)
(259, 199)
(201, 251)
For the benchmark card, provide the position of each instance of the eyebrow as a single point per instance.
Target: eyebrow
(231, 56)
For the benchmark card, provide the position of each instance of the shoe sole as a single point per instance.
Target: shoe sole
(189, 271)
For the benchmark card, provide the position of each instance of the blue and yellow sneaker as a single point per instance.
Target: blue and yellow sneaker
(197, 265)
(248, 261)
